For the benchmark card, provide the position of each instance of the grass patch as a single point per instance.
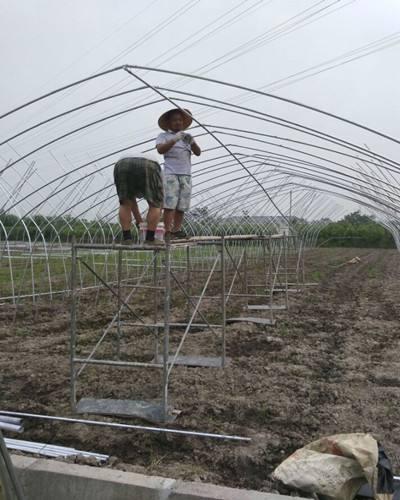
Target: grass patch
(316, 276)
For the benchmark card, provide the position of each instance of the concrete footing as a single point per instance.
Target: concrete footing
(43, 479)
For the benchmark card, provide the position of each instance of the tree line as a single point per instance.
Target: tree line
(56, 229)
(354, 230)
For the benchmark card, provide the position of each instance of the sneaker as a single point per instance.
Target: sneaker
(153, 243)
(179, 235)
(127, 243)
(168, 236)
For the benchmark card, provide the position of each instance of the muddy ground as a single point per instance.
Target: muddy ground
(331, 365)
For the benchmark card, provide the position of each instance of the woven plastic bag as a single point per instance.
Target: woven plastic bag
(334, 466)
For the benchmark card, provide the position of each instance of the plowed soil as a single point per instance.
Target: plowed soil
(330, 365)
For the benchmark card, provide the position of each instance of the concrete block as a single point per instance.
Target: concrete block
(43, 479)
(203, 491)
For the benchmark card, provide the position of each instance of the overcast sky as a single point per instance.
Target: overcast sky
(45, 44)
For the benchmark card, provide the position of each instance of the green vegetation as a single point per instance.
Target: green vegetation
(317, 276)
(372, 272)
(356, 230)
(55, 229)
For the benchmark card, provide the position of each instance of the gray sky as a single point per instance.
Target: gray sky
(49, 43)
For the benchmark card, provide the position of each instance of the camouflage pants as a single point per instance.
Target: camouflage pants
(178, 192)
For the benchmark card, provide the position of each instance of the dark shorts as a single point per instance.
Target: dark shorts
(139, 178)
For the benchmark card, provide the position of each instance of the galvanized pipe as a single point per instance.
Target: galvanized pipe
(117, 425)
(10, 420)
(4, 426)
(50, 450)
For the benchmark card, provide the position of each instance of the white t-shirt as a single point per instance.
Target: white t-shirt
(178, 159)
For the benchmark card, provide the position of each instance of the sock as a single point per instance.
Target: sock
(126, 235)
(150, 235)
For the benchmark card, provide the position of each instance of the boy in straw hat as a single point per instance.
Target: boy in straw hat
(177, 148)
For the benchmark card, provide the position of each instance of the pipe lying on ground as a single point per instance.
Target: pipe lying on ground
(5, 426)
(49, 450)
(116, 425)
(10, 420)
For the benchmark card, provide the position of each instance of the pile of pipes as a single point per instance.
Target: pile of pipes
(50, 450)
(15, 424)
(11, 424)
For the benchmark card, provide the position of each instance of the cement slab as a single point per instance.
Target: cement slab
(49, 479)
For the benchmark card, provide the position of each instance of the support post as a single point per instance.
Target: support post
(264, 259)
(285, 249)
(245, 276)
(156, 304)
(271, 291)
(303, 272)
(223, 301)
(188, 281)
(119, 272)
(11, 486)
(74, 263)
(296, 249)
(167, 301)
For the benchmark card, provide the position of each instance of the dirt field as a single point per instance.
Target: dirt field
(329, 366)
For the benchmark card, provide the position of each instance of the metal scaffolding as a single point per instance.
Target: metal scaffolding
(203, 275)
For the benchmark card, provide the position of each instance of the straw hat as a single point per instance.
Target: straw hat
(164, 118)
